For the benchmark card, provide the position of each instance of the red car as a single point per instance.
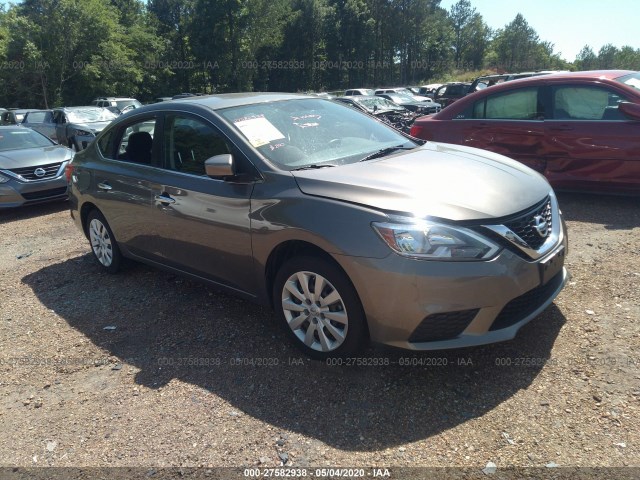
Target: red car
(580, 129)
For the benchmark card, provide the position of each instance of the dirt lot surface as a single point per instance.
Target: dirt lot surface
(146, 369)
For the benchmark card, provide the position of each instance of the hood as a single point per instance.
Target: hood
(34, 157)
(435, 180)
(95, 127)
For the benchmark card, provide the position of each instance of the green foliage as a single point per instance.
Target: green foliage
(70, 51)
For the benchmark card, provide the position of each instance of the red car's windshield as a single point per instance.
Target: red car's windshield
(632, 80)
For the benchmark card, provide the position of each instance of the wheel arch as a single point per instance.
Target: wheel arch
(289, 249)
(85, 210)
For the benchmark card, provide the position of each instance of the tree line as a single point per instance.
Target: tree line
(57, 52)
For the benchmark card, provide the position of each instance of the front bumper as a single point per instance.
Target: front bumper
(426, 305)
(15, 193)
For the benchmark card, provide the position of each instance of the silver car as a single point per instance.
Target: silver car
(351, 230)
(31, 168)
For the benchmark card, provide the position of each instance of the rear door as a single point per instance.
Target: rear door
(509, 122)
(123, 180)
(591, 144)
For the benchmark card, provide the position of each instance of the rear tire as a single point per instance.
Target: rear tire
(103, 244)
(319, 308)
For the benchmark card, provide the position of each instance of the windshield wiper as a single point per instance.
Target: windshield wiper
(313, 167)
(384, 152)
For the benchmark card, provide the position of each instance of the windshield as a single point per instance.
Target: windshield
(378, 104)
(308, 132)
(632, 80)
(88, 115)
(400, 99)
(21, 138)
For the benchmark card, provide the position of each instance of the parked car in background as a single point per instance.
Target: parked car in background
(350, 229)
(581, 130)
(491, 80)
(422, 108)
(384, 110)
(13, 116)
(74, 127)
(450, 92)
(31, 167)
(359, 91)
(39, 120)
(429, 90)
(403, 91)
(117, 105)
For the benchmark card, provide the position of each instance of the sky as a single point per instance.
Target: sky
(568, 24)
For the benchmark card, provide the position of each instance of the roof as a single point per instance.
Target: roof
(225, 100)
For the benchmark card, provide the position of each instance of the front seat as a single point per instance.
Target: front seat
(139, 147)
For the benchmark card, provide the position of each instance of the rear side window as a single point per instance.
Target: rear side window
(513, 105)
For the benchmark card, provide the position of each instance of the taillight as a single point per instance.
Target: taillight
(418, 130)
(68, 171)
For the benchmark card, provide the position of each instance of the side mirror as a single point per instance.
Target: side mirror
(220, 166)
(631, 110)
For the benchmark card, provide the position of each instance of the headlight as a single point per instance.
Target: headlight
(3, 179)
(82, 133)
(434, 241)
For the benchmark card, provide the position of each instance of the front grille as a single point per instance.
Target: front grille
(525, 226)
(29, 173)
(53, 192)
(527, 303)
(442, 326)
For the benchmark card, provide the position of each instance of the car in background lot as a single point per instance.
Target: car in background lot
(429, 90)
(490, 80)
(31, 167)
(581, 130)
(117, 105)
(421, 108)
(74, 127)
(350, 229)
(404, 91)
(384, 110)
(450, 92)
(359, 91)
(13, 116)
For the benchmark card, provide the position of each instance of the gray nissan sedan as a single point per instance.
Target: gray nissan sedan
(351, 230)
(31, 168)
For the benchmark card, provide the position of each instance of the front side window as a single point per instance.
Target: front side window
(586, 103)
(513, 105)
(189, 142)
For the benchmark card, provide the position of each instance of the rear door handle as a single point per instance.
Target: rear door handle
(561, 128)
(104, 186)
(164, 198)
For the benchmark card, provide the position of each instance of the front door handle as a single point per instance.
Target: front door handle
(104, 186)
(561, 128)
(164, 198)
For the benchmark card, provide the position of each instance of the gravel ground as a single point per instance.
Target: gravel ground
(146, 369)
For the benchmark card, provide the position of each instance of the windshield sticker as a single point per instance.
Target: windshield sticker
(258, 130)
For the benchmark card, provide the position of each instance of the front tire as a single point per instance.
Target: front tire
(319, 308)
(103, 243)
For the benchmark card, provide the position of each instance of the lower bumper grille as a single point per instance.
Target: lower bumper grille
(54, 192)
(527, 303)
(442, 326)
